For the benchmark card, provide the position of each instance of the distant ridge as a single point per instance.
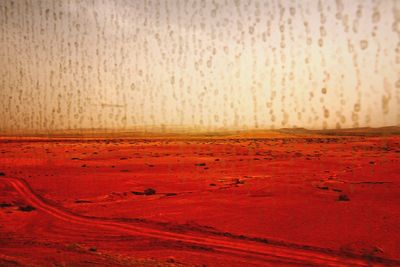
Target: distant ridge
(362, 131)
(192, 133)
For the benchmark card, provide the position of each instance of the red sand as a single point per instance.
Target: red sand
(301, 201)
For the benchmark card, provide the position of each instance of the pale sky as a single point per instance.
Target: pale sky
(201, 65)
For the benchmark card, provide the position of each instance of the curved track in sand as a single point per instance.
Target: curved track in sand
(258, 251)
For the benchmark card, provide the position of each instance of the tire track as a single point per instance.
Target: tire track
(262, 252)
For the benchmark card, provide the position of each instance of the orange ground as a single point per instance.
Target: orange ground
(285, 201)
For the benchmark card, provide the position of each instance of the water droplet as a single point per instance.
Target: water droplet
(364, 44)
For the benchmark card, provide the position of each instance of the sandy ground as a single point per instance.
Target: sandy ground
(276, 201)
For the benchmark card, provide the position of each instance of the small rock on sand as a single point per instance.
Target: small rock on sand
(343, 197)
(26, 208)
(149, 191)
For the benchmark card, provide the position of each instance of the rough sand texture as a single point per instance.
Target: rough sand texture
(292, 201)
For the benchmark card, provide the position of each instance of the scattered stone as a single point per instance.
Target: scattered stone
(5, 205)
(83, 166)
(323, 187)
(75, 158)
(212, 184)
(137, 193)
(171, 260)
(26, 208)
(82, 201)
(238, 181)
(2, 174)
(171, 194)
(149, 191)
(200, 164)
(93, 249)
(343, 197)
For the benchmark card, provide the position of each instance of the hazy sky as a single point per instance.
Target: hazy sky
(209, 65)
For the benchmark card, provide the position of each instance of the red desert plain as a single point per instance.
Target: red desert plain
(284, 198)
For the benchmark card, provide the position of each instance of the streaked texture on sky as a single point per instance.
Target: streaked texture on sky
(204, 65)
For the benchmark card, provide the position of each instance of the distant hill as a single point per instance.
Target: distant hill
(221, 133)
(362, 131)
